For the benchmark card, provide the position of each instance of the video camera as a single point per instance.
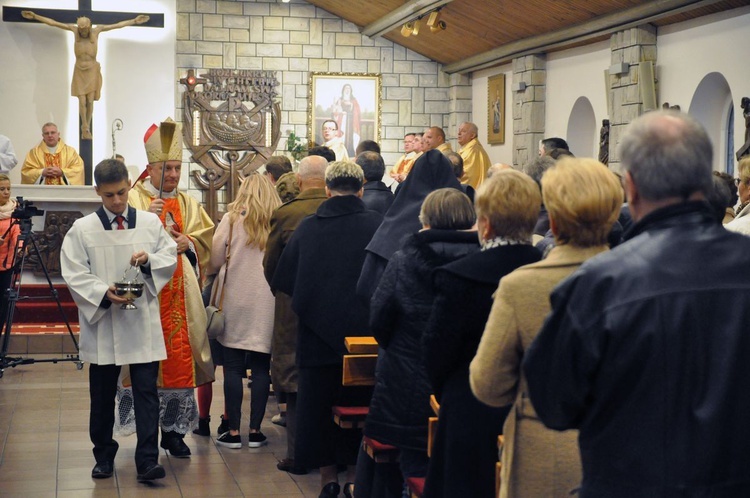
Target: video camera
(25, 210)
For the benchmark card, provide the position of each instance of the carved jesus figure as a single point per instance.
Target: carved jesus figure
(87, 75)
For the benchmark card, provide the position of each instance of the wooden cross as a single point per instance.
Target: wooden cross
(13, 14)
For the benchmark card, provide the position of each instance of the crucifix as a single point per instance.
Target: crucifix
(86, 24)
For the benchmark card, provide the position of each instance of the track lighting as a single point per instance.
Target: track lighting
(433, 22)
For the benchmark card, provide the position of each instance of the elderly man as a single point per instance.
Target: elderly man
(434, 138)
(284, 221)
(183, 315)
(476, 160)
(333, 141)
(52, 162)
(329, 248)
(641, 352)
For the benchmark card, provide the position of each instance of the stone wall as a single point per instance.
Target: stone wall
(528, 107)
(632, 46)
(297, 38)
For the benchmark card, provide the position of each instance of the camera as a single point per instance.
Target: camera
(25, 210)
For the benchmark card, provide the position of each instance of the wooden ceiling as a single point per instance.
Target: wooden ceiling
(477, 27)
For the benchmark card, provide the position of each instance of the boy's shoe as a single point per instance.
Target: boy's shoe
(256, 440)
(223, 426)
(229, 441)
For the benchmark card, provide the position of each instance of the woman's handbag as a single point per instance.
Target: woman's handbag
(214, 313)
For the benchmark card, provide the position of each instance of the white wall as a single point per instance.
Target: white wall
(687, 52)
(138, 71)
(480, 108)
(574, 73)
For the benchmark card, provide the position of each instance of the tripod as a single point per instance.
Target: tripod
(25, 243)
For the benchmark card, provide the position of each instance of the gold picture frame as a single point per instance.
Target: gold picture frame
(496, 109)
(356, 113)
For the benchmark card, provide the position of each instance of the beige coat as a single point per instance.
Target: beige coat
(536, 461)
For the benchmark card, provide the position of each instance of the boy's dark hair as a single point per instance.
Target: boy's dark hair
(322, 151)
(372, 165)
(368, 145)
(110, 171)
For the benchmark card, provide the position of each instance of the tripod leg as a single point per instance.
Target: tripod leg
(52, 289)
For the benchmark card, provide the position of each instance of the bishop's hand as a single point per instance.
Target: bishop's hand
(27, 14)
(142, 19)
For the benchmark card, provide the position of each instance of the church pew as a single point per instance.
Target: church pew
(498, 465)
(358, 370)
(416, 486)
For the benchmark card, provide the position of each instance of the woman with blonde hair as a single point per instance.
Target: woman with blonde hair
(237, 251)
(583, 199)
(463, 457)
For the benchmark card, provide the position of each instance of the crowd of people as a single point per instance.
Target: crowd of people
(594, 320)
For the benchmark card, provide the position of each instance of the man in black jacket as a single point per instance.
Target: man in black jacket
(376, 195)
(646, 348)
(319, 268)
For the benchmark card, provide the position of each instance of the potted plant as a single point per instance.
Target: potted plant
(295, 147)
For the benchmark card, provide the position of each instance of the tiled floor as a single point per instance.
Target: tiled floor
(45, 449)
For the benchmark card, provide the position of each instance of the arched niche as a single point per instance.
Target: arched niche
(711, 106)
(582, 134)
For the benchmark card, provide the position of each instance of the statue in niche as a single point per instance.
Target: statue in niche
(745, 149)
(87, 75)
(604, 142)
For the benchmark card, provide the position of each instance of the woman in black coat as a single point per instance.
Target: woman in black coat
(465, 449)
(431, 171)
(399, 309)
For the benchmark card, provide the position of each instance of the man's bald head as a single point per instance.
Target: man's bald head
(313, 168)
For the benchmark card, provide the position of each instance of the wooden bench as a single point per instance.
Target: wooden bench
(379, 452)
(415, 486)
(498, 465)
(432, 424)
(358, 370)
(350, 417)
(359, 364)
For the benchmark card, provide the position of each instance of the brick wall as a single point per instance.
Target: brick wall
(297, 38)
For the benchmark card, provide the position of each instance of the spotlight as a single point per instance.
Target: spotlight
(433, 19)
(415, 30)
(439, 26)
(407, 28)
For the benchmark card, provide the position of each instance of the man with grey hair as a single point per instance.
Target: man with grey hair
(376, 195)
(641, 352)
(476, 160)
(284, 221)
(319, 269)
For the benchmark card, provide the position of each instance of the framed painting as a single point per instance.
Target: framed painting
(343, 110)
(496, 109)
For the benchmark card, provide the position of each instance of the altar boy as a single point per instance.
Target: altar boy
(95, 253)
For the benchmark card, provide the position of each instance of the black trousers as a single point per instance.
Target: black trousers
(103, 389)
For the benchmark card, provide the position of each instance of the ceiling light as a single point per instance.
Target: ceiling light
(440, 26)
(415, 30)
(407, 28)
(433, 19)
